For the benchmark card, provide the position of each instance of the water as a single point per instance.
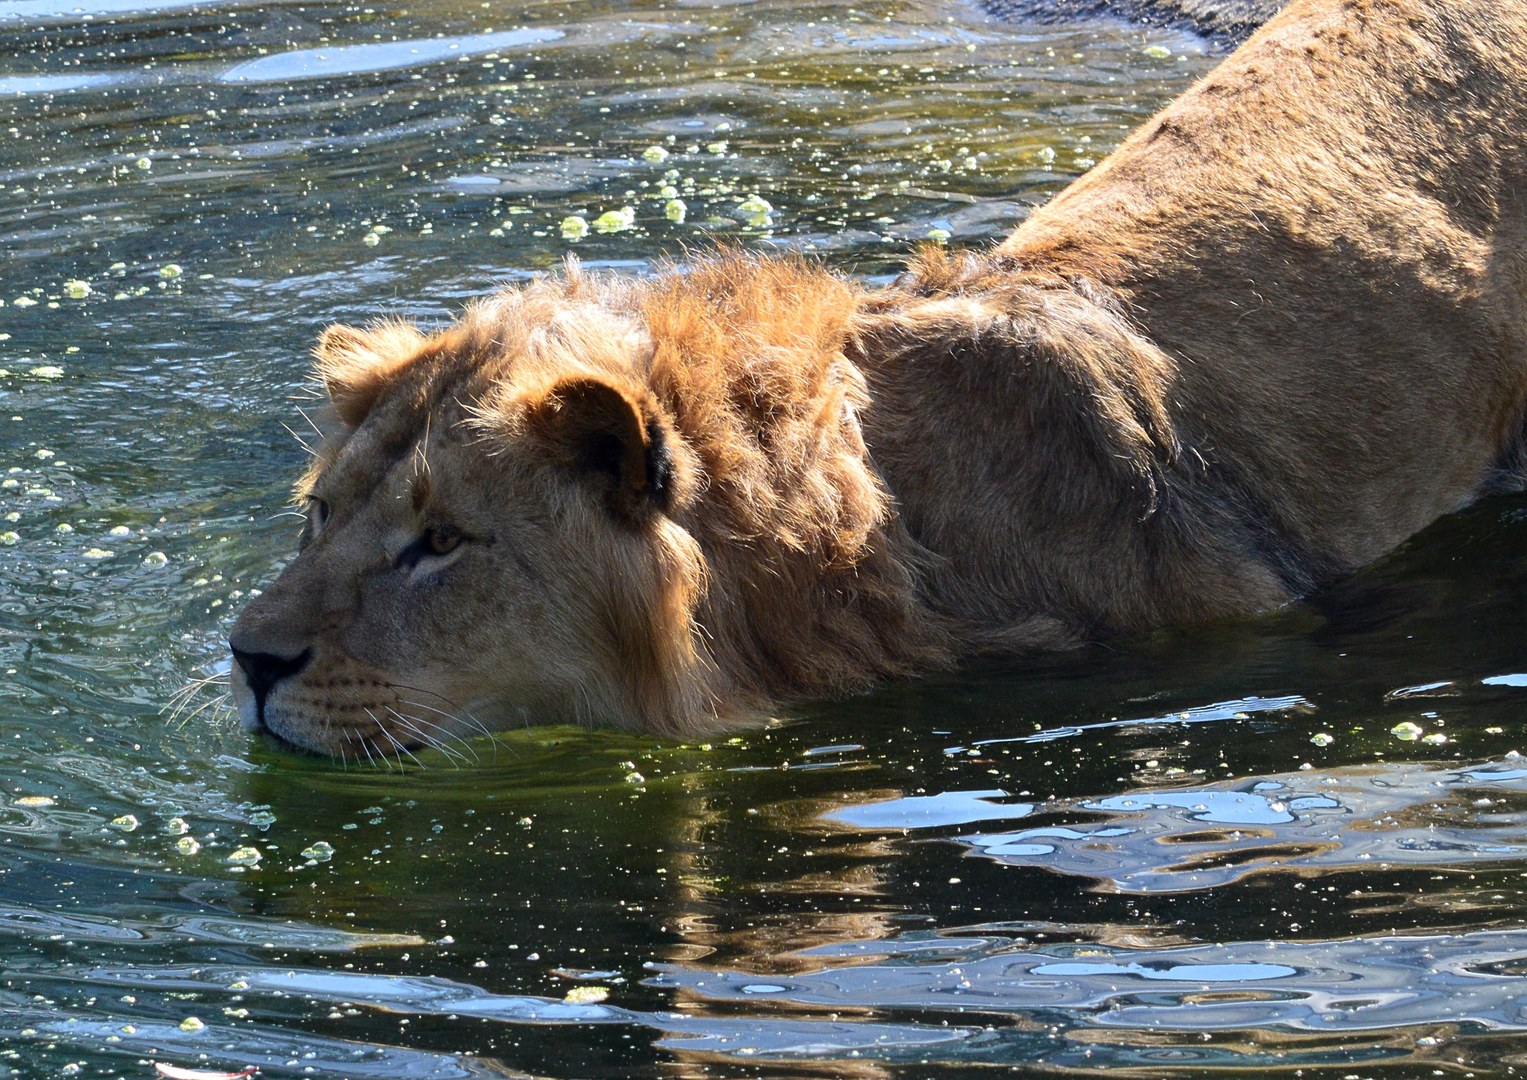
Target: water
(1204, 849)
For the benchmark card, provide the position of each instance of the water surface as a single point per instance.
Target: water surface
(1200, 850)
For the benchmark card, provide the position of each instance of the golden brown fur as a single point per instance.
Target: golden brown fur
(1275, 333)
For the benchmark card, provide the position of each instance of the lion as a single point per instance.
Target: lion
(1276, 332)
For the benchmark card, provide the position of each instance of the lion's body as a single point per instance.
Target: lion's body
(1278, 331)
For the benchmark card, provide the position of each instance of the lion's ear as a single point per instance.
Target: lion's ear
(356, 365)
(612, 434)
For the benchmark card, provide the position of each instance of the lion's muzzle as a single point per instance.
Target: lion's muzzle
(262, 671)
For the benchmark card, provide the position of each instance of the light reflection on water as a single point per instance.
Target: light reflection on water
(1152, 841)
(1092, 994)
(1117, 850)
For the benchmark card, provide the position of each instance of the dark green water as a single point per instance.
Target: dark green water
(1204, 851)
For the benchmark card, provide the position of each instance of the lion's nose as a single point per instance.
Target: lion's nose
(264, 670)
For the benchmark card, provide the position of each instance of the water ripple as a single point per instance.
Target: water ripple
(1184, 839)
(342, 60)
(1362, 984)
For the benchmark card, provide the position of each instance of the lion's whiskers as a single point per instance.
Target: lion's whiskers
(218, 703)
(409, 724)
(399, 747)
(191, 687)
(366, 746)
(438, 742)
(175, 708)
(459, 714)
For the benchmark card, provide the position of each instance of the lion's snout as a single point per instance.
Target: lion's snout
(317, 697)
(263, 670)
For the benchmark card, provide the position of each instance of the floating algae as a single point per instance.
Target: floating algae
(574, 227)
(655, 154)
(615, 220)
(1406, 731)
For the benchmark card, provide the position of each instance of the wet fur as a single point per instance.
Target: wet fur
(1278, 331)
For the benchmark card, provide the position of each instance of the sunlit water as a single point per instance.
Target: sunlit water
(1298, 841)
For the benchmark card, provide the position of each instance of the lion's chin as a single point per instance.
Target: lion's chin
(324, 739)
(286, 746)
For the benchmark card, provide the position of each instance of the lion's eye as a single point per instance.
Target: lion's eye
(318, 511)
(433, 542)
(441, 540)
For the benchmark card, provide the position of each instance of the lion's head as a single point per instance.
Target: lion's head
(632, 504)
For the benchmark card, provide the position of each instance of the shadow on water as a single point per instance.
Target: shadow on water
(1288, 842)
